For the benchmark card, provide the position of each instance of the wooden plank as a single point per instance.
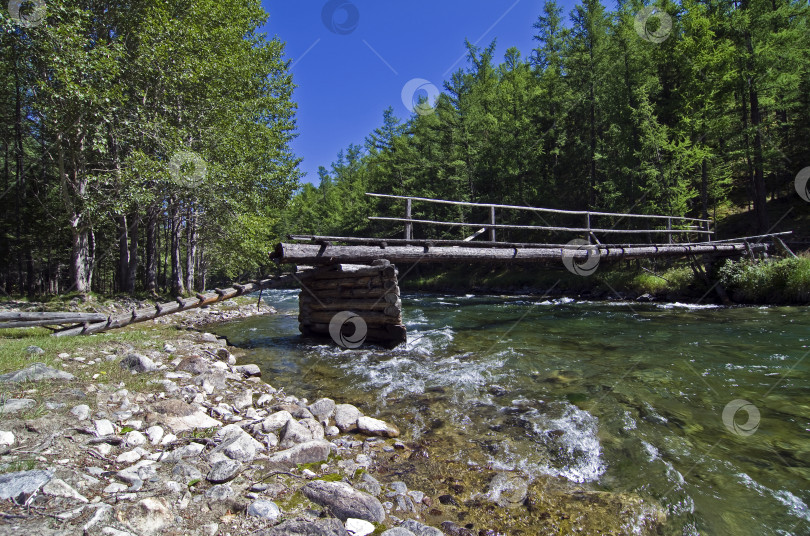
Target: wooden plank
(58, 317)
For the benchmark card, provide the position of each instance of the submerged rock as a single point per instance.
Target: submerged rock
(507, 490)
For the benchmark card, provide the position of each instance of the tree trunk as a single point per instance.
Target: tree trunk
(191, 247)
(132, 275)
(123, 252)
(80, 256)
(177, 271)
(760, 190)
(704, 189)
(150, 278)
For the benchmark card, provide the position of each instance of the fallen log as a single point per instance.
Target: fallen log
(179, 305)
(28, 320)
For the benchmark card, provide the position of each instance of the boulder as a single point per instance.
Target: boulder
(323, 409)
(294, 433)
(344, 501)
(346, 416)
(276, 421)
(376, 427)
(35, 373)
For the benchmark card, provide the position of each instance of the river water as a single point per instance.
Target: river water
(610, 396)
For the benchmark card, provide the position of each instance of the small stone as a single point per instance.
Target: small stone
(104, 427)
(175, 487)
(149, 516)
(193, 364)
(210, 530)
(59, 488)
(34, 350)
(129, 457)
(294, 433)
(6, 439)
(155, 434)
(169, 348)
(264, 400)
(370, 484)
(134, 439)
(224, 471)
(209, 337)
(104, 448)
(138, 363)
(376, 427)
(264, 510)
(220, 492)
(507, 490)
(115, 487)
(400, 488)
(359, 527)
(309, 452)
(398, 531)
(421, 530)
(244, 400)
(248, 371)
(332, 431)
(185, 472)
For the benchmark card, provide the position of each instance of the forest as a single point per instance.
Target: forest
(146, 144)
(698, 108)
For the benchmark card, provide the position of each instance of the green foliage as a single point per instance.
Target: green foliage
(772, 281)
(596, 117)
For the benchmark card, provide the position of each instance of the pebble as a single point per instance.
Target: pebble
(129, 457)
(359, 527)
(264, 509)
(220, 492)
(224, 471)
(6, 439)
(115, 487)
(155, 434)
(104, 427)
(134, 439)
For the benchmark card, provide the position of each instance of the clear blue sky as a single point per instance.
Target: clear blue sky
(350, 70)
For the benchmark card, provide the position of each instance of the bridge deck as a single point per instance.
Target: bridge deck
(363, 251)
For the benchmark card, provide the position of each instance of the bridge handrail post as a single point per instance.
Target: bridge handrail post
(492, 221)
(408, 224)
(588, 226)
(669, 230)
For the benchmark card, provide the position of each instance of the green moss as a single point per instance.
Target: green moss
(331, 477)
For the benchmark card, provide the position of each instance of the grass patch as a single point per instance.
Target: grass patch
(331, 477)
(17, 466)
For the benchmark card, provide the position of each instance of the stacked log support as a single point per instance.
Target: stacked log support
(330, 294)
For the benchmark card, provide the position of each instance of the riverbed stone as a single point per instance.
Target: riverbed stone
(155, 434)
(323, 409)
(16, 405)
(59, 488)
(346, 416)
(149, 516)
(306, 527)
(370, 484)
(81, 412)
(34, 373)
(34, 350)
(193, 364)
(23, 483)
(238, 444)
(398, 531)
(294, 433)
(376, 427)
(359, 527)
(185, 472)
(134, 439)
(248, 371)
(104, 427)
(220, 492)
(264, 510)
(138, 363)
(224, 471)
(507, 490)
(276, 421)
(344, 501)
(243, 400)
(192, 450)
(419, 529)
(309, 452)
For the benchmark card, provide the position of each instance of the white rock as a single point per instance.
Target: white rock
(104, 427)
(129, 457)
(59, 488)
(168, 438)
(264, 400)
(104, 448)
(134, 439)
(81, 412)
(115, 487)
(376, 427)
(155, 434)
(276, 421)
(6, 439)
(359, 527)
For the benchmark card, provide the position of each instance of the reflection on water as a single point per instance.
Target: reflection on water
(618, 396)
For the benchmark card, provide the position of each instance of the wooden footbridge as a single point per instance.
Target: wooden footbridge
(350, 289)
(337, 284)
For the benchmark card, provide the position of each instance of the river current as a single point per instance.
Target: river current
(701, 409)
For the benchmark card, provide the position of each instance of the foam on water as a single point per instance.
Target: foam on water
(794, 504)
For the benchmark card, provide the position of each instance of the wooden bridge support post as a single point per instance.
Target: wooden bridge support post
(334, 295)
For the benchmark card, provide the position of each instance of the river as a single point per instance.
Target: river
(610, 396)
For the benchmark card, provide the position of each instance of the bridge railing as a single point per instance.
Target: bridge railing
(675, 225)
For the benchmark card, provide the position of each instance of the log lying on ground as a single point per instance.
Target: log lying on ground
(26, 320)
(179, 305)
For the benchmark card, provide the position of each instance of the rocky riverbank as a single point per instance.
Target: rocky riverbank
(166, 431)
